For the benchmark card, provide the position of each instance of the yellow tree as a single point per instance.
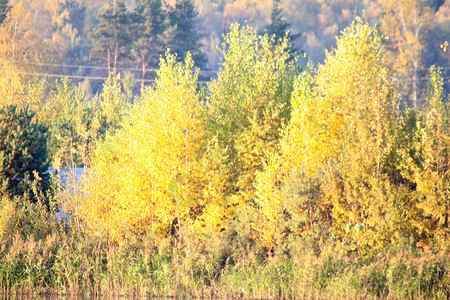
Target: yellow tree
(18, 38)
(14, 89)
(406, 23)
(145, 177)
(429, 168)
(336, 151)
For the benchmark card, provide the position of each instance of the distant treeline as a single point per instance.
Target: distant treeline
(87, 39)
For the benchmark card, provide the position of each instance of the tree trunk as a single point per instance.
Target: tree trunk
(115, 57)
(109, 62)
(144, 71)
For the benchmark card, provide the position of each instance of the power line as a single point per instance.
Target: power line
(425, 69)
(75, 76)
(96, 67)
(153, 69)
(420, 79)
(87, 77)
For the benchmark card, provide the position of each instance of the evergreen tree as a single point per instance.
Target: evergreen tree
(149, 25)
(23, 153)
(4, 9)
(182, 35)
(278, 27)
(111, 39)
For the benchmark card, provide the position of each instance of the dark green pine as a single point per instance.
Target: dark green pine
(4, 10)
(182, 35)
(148, 26)
(23, 150)
(111, 39)
(278, 27)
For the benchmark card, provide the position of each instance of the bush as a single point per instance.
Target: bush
(23, 154)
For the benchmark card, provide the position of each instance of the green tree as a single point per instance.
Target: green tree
(112, 105)
(278, 25)
(75, 123)
(182, 35)
(23, 153)
(111, 39)
(429, 168)
(248, 108)
(4, 9)
(71, 125)
(149, 24)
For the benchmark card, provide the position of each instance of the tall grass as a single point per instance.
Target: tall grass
(66, 262)
(42, 255)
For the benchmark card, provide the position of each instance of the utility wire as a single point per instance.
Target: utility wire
(154, 70)
(96, 67)
(86, 77)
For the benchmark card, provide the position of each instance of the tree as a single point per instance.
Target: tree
(15, 90)
(429, 168)
(248, 109)
(66, 40)
(341, 138)
(71, 125)
(18, 37)
(111, 39)
(406, 23)
(149, 25)
(145, 177)
(278, 26)
(182, 34)
(4, 10)
(23, 153)
(112, 104)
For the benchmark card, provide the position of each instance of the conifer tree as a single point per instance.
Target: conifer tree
(23, 153)
(4, 9)
(182, 34)
(111, 39)
(278, 26)
(149, 24)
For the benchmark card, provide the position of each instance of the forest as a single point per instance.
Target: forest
(261, 169)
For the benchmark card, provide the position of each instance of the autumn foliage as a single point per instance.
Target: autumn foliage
(272, 177)
(326, 152)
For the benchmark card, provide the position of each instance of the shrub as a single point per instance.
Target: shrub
(23, 154)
